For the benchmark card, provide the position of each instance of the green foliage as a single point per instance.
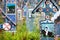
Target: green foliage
(21, 34)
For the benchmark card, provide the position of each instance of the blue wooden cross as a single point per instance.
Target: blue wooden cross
(50, 25)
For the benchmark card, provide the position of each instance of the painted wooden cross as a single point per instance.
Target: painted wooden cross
(47, 30)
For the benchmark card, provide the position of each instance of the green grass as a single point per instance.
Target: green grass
(21, 33)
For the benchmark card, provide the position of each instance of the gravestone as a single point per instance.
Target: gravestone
(47, 30)
(8, 17)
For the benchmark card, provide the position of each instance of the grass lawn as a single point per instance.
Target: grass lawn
(21, 33)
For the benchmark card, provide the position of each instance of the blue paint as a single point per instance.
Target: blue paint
(10, 4)
(47, 38)
(30, 24)
(13, 28)
(49, 10)
(1, 26)
(50, 26)
(25, 8)
(13, 0)
(12, 17)
(57, 29)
